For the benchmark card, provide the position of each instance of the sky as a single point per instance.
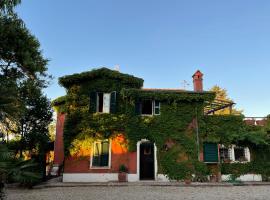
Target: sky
(162, 41)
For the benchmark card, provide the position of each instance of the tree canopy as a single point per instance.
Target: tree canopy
(221, 94)
(24, 110)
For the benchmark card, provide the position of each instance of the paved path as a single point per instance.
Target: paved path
(142, 192)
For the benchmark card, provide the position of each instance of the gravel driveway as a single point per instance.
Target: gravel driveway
(142, 192)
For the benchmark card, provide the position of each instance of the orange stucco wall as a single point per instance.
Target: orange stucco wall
(119, 156)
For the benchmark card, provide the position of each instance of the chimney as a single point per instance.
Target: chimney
(198, 81)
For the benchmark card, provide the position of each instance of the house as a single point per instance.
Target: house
(107, 120)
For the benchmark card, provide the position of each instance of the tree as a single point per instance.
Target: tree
(20, 58)
(33, 122)
(221, 94)
(24, 109)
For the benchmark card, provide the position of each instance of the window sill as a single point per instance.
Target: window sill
(236, 161)
(146, 115)
(210, 162)
(100, 167)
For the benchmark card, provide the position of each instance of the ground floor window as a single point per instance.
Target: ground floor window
(224, 154)
(239, 154)
(234, 153)
(101, 153)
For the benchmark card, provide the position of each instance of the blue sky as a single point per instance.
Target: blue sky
(163, 42)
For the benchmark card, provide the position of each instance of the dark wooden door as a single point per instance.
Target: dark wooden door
(147, 161)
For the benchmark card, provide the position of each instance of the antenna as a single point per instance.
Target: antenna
(184, 84)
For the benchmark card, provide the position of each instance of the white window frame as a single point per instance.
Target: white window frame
(104, 103)
(155, 106)
(232, 154)
(93, 153)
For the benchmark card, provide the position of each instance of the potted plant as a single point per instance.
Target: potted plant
(122, 174)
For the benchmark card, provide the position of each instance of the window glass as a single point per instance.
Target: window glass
(100, 102)
(103, 102)
(157, 107)
(147, 107)
(101, 154)
(239, 154)
(224, 154)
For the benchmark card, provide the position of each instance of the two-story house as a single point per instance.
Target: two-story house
(107, 120)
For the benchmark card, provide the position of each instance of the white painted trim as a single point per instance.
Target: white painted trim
(138, 159)
(232, 154)
(92, 155)
(133, 178)
(246, 177)
(106, 102)
(154, 109)
(162, 178)
(90, 177)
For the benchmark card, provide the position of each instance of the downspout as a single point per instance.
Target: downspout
(197, 134)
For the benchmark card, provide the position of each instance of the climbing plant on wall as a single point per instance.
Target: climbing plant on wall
(173, 131)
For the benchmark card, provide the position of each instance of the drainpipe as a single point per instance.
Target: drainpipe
(197, 135)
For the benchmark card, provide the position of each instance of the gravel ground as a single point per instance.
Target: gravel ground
(142, 192)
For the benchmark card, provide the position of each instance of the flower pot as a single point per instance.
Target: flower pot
(213, 178)
(188, 181)
(122, 177)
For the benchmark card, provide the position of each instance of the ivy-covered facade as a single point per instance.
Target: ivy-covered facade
(107, 120)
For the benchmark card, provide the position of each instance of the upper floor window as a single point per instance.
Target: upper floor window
(103, 102)
(149, 107)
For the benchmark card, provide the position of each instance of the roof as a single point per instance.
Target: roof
(169, 94)
(78, 78)
(163, 89)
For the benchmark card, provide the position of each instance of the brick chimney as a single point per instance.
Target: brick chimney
(198, 81)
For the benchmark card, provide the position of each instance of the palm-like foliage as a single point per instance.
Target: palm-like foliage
(13, 169)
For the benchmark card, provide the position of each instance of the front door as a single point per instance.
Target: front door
(147, 161)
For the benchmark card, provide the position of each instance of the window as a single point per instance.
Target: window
(234, 154)
(103, 102)
(239, 154)
(101, 154)
(147, 108)
(157, 107)
(150, 107)
(224, 154)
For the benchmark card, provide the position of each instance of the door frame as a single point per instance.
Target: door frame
(138, 158)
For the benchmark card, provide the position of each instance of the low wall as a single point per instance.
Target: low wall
(106, 177)
(246, 177)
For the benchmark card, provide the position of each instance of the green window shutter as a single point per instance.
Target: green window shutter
(210, 152)
(93, 102)
(137, 108)
(113, 102)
